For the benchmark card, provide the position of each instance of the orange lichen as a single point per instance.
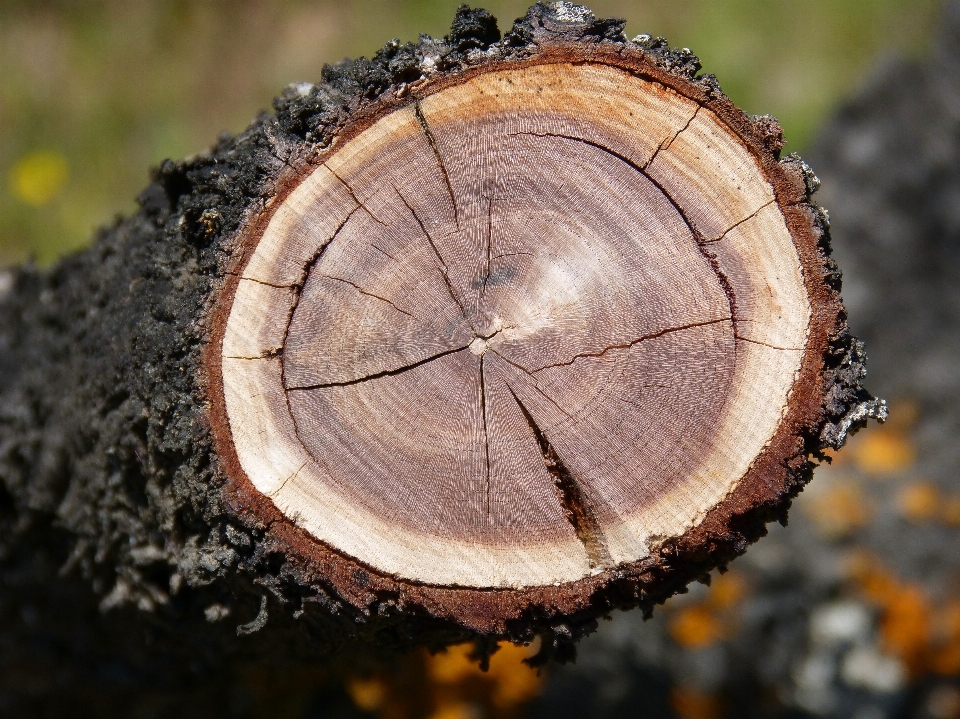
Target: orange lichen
(513, 681)
(905, 613)
(711, 620)
(946, 656)
(367, 693)
(690, 703)
(452, 665)
(448, 685)
(925, 636)
(695, 627)
(507, 683)
(926, 502)
(883, 450)
(727, 590)
(838, 510)
(905, 627)
(920, 501)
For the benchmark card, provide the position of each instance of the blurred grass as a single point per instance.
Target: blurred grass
(92, 94)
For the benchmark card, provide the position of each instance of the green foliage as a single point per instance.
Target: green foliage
(101, 91)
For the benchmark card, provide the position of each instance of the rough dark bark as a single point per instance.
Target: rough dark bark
(110, 480)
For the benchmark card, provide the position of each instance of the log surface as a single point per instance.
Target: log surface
(481, 336)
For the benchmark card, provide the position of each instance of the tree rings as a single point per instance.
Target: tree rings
(524, 327)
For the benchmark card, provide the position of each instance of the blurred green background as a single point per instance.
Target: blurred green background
(93, 93)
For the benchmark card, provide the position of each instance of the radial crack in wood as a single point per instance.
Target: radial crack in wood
(575, 507)
(436, 152)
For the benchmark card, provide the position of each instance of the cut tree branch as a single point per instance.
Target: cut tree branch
(196, 427)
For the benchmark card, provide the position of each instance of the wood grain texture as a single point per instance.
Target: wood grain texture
(519, 331)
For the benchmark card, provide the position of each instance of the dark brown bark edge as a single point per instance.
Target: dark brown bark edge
(110, 477)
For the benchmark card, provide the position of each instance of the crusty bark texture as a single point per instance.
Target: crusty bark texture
(117, 534)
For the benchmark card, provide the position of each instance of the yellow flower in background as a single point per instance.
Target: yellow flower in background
(37, 178)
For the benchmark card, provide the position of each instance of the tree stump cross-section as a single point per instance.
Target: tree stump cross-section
(482, 337)
(523, 328)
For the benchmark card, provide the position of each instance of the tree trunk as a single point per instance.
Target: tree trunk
(480, 338)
